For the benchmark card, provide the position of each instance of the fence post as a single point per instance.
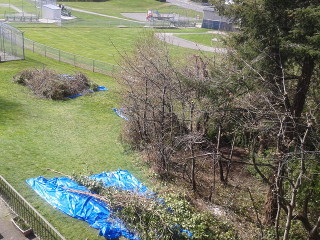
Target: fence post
(45, 51)
(23, 45)
(93, 66)
(59, 55)
(74, 60)
(33, 46)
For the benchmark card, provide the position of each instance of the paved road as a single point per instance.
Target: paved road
(102, 15)
(136, 16)
(11, 6)
(174, 40)
(188, 4)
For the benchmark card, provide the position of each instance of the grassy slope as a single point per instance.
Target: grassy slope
(81, 134)
(75, 135)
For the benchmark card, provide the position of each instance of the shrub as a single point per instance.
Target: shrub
(50, 84)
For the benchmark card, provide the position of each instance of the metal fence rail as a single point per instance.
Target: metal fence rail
(11, 43)
(42, 228)
(75, 60)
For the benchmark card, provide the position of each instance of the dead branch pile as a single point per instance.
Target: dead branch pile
(50, 84)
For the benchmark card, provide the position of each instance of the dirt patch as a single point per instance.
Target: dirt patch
(229, 201)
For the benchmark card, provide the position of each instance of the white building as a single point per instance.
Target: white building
(51, 12)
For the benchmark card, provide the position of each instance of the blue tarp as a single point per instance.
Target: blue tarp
(98, 89)
(119, 112)
(80, 206)
(123, 180)
(88, 208)
(101, 88)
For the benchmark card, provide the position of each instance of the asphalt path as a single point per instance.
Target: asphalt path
(174, 40)
(103, 15)
(188, 4)
(11, 6)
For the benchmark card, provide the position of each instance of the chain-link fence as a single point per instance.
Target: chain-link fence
(105, 23)
(173, 17)
(73, 59)
(11, 43)
(21, 12)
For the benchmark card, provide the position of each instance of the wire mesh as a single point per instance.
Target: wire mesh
(73, 59)
(173, 17)
(11, 43)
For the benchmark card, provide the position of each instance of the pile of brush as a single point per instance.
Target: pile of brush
(50, 84)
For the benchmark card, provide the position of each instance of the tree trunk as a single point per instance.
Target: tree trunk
(271, 204)
(303, 87)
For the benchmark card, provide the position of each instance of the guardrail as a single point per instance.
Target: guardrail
(42, 228)
(75, 60)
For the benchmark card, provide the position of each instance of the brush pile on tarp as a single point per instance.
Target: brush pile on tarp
(62, 194)
(47, 83)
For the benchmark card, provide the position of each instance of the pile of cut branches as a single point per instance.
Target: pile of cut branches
(50, 84)
(151, 218)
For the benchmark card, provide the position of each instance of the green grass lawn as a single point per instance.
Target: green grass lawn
(101, 43)
(116, 7)
(204, 39)
(78, 135)
(23, 5)
(5, 10)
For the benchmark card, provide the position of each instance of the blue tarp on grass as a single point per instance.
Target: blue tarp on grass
(122, 180)
(88, 208)
(120, 113)
(97, 89)
(80, 206)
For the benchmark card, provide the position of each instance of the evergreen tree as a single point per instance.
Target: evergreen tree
(277, 51)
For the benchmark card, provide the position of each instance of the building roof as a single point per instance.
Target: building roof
(51, 6)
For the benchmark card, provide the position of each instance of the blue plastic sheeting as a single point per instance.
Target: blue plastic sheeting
(101, 88)
(80, 206)
(98, 89)
(67, 76)
(75, 96)
(119, 112)
(123, 180)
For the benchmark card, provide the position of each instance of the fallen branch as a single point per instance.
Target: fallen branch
(55, 171)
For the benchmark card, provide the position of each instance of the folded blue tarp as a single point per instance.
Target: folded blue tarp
(98, 89)
(101, 88)
(80, 206)
(119, 112)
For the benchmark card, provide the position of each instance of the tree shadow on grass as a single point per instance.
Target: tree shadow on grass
(9, 110)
